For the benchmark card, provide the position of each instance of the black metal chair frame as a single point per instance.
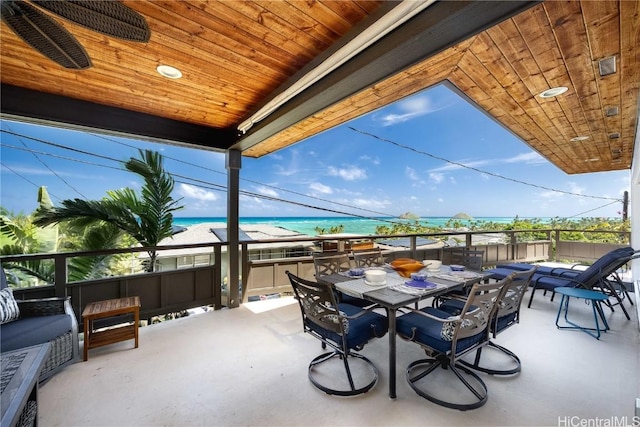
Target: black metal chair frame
(331, 263)
(318, 306)
(473, 259)
(478, 312)
(509, 302)
(368, 258)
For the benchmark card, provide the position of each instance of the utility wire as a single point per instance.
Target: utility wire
(222, 188)
(51, 170)
(209, 185)
(57, 156)
(26, 179)
(212, 170)
(252, 181)
(594, 209)
(406, 147)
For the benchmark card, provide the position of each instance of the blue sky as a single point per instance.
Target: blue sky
(388, 162)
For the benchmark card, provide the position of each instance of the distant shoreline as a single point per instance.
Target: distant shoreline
(355, 225)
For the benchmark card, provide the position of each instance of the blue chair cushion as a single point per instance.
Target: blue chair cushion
(500, 272)
(29, 331)
(552, 282)
(615, 256)
(607, 259)
(357, 302)
(361, 330)
(454, 307)
(505, 321)
(428, 331)
(519, 266)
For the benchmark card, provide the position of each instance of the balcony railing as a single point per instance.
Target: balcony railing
(170, 291)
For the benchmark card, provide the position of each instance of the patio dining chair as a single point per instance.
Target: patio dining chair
(343, 327)
(327, 263)
(368, 258)
(508, 314)
(472, 259)
(446, 339)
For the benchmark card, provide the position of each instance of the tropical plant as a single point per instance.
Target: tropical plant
(336, 229)
(147, 217)
(20, 236)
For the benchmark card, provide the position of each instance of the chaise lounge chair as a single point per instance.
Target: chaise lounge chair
(597, 276)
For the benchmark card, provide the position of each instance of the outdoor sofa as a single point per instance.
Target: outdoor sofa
(39, 321)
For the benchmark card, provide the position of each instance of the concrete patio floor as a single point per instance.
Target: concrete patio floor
(248, 367)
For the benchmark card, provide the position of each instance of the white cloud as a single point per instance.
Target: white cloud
(292, 168)
(460, 165)
(409, 109)
(193, 192)
(413, 176)
(351, 173)
(267, 191)
(371, 203)
(575, 188)
(529, 158)
(375, 161)
(46, 172)
(316, 187)
(436, 177)
(550, 195)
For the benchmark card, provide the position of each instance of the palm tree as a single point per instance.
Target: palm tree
(20, 236)
(146, 217)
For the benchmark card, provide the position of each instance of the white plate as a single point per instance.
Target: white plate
(366, 282)
(433, 269)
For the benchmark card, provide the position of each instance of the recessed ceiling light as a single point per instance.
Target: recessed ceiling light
(169, 71)
(579, 138)
(554, 91)
(593, 160)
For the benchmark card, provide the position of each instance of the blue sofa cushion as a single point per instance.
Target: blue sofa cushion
(30, 331)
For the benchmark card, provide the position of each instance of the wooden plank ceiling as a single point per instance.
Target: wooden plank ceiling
(235, 55)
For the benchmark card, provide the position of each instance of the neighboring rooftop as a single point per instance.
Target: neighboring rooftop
(204, 233)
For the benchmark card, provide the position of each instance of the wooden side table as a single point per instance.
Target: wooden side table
(105, 309)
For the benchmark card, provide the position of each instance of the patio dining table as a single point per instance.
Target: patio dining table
(395, 294)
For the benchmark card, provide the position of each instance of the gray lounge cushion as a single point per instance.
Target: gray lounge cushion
(30, 331)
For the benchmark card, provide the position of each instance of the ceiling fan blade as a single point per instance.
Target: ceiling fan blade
(45, 35)
(108, 17)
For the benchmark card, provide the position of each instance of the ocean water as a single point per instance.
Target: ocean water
(307, 225)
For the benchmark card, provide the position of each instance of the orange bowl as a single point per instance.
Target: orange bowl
(401, 261)
(406, 266)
